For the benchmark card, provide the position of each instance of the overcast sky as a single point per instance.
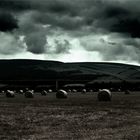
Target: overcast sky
(70, 30)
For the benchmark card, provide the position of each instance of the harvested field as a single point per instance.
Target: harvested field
(80, 116)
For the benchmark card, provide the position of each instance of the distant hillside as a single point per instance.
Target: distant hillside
(49, 70)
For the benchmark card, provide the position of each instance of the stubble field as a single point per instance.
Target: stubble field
(80, 116)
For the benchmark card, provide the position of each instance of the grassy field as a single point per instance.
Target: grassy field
(78, 117)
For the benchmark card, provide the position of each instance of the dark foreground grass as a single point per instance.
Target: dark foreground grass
(78, 117)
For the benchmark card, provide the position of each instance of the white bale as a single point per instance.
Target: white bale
(74, 90)
(10, 94)
(21, 91)
(119, 89)
(84, 91)
(104, 95)
(50, 90)
(3, 91)
(69, 90)
(61, 94)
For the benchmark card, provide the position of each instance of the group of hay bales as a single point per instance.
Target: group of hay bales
(27, 93)
(83, 91)
(30, 93)
(44, 93)
(11, 94)
(102, 95)
(106, 95)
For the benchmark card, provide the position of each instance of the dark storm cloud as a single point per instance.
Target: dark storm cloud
(59, 13)
(15, 5)
(62, 8)
(117, 12)
(64, 21)
(129, 26)
(35, 43)
(55, 6)
(121, 18)
(123, 21)
(109, 15)
(76, 18)
(34, 34)
(7, 22)
(33, 14)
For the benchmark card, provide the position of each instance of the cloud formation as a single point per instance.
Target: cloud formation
(7, 22)
(10, 44)
(88, 21)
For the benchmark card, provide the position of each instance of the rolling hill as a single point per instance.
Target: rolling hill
(22, 69)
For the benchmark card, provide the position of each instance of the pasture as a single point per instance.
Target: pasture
(80, 116)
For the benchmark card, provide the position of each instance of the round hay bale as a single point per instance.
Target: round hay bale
(29, 94)
(10, 94)
(84, 91)
(44, 93)
(126, 92)
(119, 90)
(2, 91)
(91, 91)
(69, 90)
(104, 95)
(74, 90)
(61, 94)
(20, 91)
(50, 91)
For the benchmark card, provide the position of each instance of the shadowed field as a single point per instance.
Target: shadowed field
(80, 116)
